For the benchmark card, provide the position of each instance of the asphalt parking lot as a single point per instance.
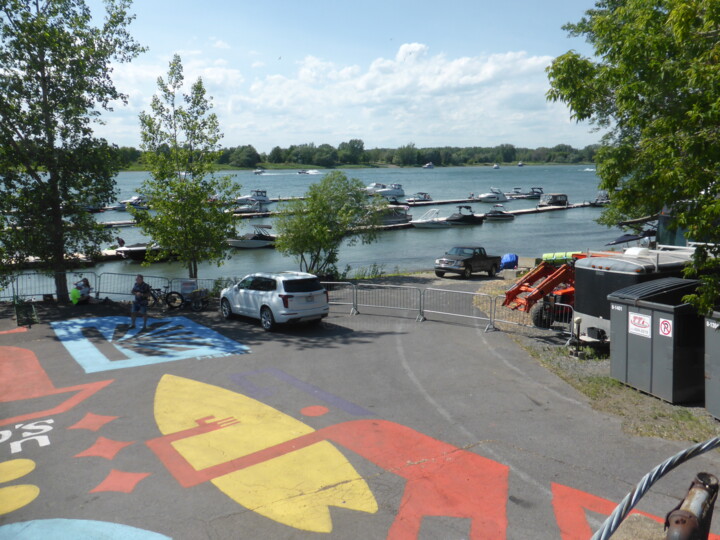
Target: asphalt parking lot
(367, 426)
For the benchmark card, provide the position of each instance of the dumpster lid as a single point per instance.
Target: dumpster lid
(672, 287)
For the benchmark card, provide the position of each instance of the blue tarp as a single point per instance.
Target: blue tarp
(509, 261)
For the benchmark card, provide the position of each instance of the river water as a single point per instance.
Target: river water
(411, 249)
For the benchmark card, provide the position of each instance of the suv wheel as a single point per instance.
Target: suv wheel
(225, 309)
(492, 271)
(266, 319)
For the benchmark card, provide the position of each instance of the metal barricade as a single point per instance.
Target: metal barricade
(510, 316)
(119, 286)
(556, 317)
(342, 293)
(35, 285)
(185, 286)
(395, 297)
(458, 304)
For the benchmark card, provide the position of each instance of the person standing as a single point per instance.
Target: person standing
(140, 292)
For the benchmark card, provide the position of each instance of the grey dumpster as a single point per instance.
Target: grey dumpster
(712, 364)
(656, 340)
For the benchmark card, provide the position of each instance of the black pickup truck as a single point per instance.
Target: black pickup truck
(466, 260)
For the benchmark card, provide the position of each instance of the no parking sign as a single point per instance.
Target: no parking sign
(665, 327)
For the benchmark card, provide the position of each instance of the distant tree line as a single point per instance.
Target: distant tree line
(353, 152)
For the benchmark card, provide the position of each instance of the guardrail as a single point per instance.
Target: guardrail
(423, 302)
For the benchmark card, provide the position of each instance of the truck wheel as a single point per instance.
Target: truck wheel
(467, 272)
(492, 271)
(542, 316)
(439, 273)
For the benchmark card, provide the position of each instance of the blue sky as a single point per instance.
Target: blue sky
(394, 72)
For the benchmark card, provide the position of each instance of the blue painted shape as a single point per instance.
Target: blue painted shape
(77, 529)
(253, 390)
(106, 343)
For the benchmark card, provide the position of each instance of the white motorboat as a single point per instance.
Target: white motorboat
(252, 207)
(258, 171)
(136, 252)
(374, 187)
(420, 196)
(136, 201)
(493, 196)
(521, 164)
(430, 220)
(259, 195)
(393, 190)
(553, 199)
(496, 166)
(259, 238)
(498, 213)
(428, 165)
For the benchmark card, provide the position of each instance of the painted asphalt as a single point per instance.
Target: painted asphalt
(368, 426)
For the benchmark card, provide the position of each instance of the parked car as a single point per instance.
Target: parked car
(276, 298)
(465, 260)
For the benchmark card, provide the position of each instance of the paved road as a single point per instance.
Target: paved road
(369, 426)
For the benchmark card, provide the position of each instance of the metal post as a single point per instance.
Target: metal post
(691, 519)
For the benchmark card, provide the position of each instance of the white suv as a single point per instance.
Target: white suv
(284, 297)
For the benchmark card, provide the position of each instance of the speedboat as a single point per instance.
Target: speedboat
(136, 252)
(493, 196)
(136, 201)
(259, 238)
(521, 164)
(393, 190)
(465, 216)
(602, 199)
(303, 171)
(252, 207)
(255, 195)
(535, 193)
(498, 213)
(428, 165)
(516, 193)
(430, 220)
(496, 166)
(258, 171)
(420, 196)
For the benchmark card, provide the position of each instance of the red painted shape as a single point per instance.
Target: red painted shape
(571, 504)
(442, 480)
(124, 482)
(104, 448)
(92, 422)
(22, 377)
(15, 330)
(314, 410)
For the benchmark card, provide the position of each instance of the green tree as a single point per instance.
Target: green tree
(351, 151)
(245, 156)
(54, 82)
(180, 137)
(334, 210)
(276, 155)
(325, 156)
(655, 87)
(406, 155)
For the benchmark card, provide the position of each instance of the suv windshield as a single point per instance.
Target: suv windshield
(302, 285)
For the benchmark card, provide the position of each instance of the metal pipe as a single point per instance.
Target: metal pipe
(692, 518)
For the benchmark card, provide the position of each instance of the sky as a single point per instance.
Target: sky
(394, 72)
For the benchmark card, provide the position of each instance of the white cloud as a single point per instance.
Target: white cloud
(416, 96)
(220, 44)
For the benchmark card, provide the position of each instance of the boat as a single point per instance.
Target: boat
(428, 165)
(258, 171)
(393, 190)
(521, 164)
(553, 199)
(255, 195)
(303, 171)
(374, 187)
(465, 216)
(136, 201)
(498, 213)
(602, 199)
(496, 166)
(493, 196)
(517, 193)
(395, 215)
(430, 220)
(259, 238)
(252, 207)
(420, 196)
(535, 193)
(136, 252)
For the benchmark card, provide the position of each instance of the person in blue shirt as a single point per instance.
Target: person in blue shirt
(140, 292)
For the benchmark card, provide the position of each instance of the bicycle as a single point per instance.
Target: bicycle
(171, 299)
